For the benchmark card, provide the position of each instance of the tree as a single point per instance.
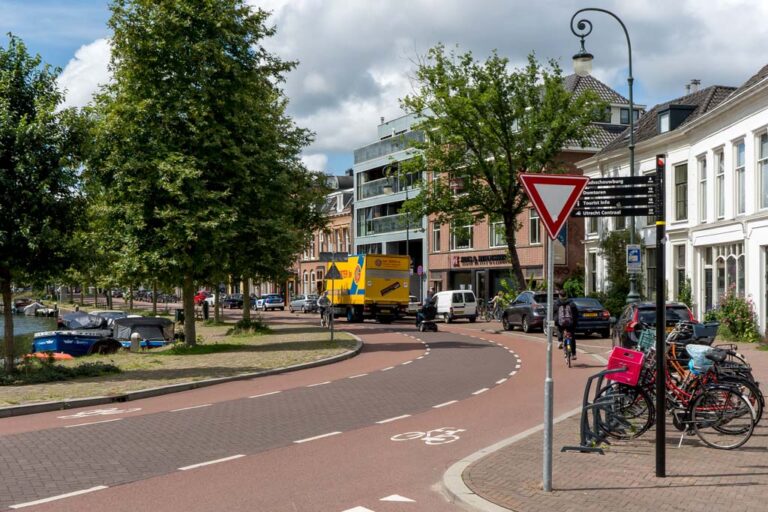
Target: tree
(184, 131)
(39, 195)
(484, 126)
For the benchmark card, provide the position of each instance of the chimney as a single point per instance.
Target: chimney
(687, 89)
(382, 119)
(695, 82)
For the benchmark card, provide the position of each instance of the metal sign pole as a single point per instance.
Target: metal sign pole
(661, 311)
(548, 384)
(333, 305)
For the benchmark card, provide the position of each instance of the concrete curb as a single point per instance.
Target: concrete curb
(20, 410)
(453, 481)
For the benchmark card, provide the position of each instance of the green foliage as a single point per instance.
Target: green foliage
(486, 124)
(737, 317)
(249, 326)
(613, 248)
(35, 370)
(39, 158)
(200, 349)
(509, 290)
(686, 293)
(574, 285)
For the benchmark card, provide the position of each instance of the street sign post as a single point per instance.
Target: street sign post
(554, 197)
(333, 273)
(634, 259)
(661, 323)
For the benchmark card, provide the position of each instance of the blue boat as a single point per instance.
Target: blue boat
(76, 342)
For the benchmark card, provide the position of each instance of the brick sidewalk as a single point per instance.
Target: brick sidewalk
(698, 478)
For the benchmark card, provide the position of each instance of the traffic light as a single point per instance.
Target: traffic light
(661, 163)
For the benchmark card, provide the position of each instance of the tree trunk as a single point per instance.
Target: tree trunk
(5, 288)
(71, 291)
(217, 305)
(188, 298)
(514, 259)
(82, 295)
(108, 295)
(130, 298)
(247, 300)
(154, 298)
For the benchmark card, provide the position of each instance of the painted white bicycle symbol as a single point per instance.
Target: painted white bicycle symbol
(100, 412)
(442, 435)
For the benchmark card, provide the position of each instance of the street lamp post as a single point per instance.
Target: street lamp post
(582, 66)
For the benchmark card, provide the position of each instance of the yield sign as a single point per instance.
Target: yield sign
(554, 196)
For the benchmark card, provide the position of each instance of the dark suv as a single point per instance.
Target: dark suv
(630, 324)
(528, 310)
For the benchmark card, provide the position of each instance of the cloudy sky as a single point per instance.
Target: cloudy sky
(356, 56)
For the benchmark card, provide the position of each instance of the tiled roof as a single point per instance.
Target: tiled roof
(757, 77)
(703, 101)
(578, 84)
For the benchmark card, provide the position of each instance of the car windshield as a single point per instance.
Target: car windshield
(674, 314)
(586, 302)
(541, 298)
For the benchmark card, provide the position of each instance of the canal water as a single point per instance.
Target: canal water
(25, 326)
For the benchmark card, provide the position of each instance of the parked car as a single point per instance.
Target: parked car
(234, 301)
(591, 317)
(273, 301)
(453, 304)
(110, 314)
(630, 323)
(303, 303)
(528, 310)
(413, 305)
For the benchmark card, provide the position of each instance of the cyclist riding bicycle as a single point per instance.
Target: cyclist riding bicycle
(494, 305)
(565, 319)
(324, 306)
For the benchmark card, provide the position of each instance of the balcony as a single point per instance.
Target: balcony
(382, 186)
(387, 146)
(387, 224)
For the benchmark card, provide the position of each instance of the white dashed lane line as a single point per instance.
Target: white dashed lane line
(512, 373)
(393, 419)
(319, 384)
(387, 368)
(407, 362)
(501, 381)
(208, 463)
(59, 497)
(444, 404)
(264, 394)
(357, 376)
(191, 407)
(321, 436)
(480, 391)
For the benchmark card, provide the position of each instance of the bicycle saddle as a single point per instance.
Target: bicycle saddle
(716, 355)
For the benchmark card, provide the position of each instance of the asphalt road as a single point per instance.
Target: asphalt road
(325, 439)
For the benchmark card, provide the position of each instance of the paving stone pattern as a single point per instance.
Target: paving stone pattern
(698, 478)
(40, 464)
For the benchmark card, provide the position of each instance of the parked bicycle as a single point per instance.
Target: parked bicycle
(568, 351)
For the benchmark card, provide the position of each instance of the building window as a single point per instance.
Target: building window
(763, 170)
(624, 115)
(664, 122)
(461, 237)
(708, 280)
(497, 234)
(702, 189)
(741, 190)
(347, 243)
(681, 192)
(650, 258)
(436, 237)
(620, 223)
(312, 248)
(679, 269)
(720, 184)
(592, 225)
(731, 269)
(534, 227)
(592, 271)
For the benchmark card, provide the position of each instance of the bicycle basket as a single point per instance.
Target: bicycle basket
(647, 340)
(632, 360)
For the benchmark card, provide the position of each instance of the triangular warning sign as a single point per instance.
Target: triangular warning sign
(554, 196)
(333, 272)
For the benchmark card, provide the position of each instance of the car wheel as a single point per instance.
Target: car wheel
(290, 309)
(526, 326)
(304, 309)
(445, 318)
(605, 334)
(505, 323)
(472, 319)
(282, 308)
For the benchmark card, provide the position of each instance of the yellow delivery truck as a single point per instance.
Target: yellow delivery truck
(371, 286)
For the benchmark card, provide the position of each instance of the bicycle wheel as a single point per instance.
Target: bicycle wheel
(722, 418)
(567, 350)
(408, 436)
(751, 392)
(624, 412)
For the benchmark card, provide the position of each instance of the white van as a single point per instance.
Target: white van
(453, 304)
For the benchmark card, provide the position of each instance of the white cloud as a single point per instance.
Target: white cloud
(315, 162)
(84, 74)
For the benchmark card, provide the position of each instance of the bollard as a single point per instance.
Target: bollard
(135, 342)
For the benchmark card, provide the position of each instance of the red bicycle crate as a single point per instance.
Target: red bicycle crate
(632, 359)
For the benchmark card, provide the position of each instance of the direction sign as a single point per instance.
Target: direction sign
(618, 197)
(634, 259)
(553, 196)
(333, 256)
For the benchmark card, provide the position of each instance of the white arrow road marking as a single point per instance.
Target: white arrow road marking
(99, 412)
(397, 497)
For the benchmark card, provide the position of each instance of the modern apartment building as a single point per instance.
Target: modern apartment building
(475, 256)
(379, 192)
(716, 142)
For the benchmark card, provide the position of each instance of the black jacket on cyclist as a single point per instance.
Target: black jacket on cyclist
(572, 328)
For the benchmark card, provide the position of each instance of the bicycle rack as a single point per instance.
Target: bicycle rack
(590, 437)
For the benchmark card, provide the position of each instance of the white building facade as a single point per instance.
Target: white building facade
(716, 195)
